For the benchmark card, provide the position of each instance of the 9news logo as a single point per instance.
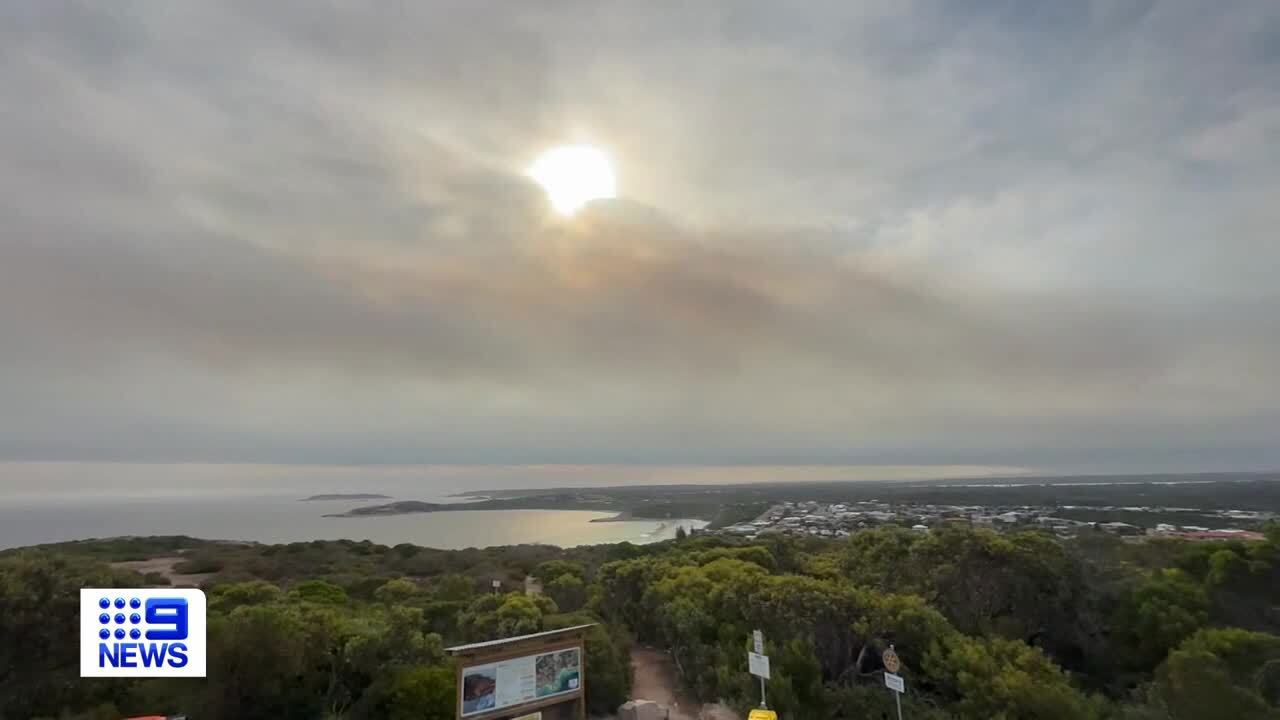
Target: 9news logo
(144, 632)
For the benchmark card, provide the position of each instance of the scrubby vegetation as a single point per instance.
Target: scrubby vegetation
(988, 626)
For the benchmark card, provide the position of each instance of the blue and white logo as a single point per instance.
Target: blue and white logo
(143, 632)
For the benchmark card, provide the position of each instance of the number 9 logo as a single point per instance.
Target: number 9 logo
(167, 611)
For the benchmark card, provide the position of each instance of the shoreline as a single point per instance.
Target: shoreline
(568, 528)
(623, 516)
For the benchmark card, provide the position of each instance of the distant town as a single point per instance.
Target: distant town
(842, 519)
(1201, 507)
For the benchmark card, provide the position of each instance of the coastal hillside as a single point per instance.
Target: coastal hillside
(1016, 625)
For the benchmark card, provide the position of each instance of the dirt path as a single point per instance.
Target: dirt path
(654, 678)
(164, 566)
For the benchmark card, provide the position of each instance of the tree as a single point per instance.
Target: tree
(873, 701)
(796, 686)
(1268, 682)
(226, 598)
(421, 693)
(1272, 531)
(39, 635)
(1020, 586)
(375, 646)
(395, 592)
(1221, 672)
(568, 592)
(752, 554)
(552, 569)
(1224, 567)
(608, 662)
(320, 591)
(623, 585)
(1157, 614)
(878, 557)
(1240, 579)
(1003, 679)
(353, 639)
(454, 588)
(497, 616)
(105, 711)
(258, 666)
(1195, 685)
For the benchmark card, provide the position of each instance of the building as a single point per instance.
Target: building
(1120, 528)
(532, 585)
(1222, 536)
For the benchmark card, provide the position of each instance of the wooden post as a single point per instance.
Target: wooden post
(582, 678)
(457, 686)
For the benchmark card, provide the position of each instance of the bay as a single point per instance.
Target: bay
(283, 519)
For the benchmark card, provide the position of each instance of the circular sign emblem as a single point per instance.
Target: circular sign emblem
(890, 660)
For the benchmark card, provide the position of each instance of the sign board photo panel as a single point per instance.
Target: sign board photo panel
(520, 680)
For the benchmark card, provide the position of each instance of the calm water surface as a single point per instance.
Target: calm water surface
(277, 519)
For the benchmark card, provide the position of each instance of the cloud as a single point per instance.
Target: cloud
(281, 233)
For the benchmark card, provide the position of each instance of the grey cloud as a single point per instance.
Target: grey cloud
(279, 231)
(612, 301)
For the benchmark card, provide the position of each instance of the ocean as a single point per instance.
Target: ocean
(280, 519)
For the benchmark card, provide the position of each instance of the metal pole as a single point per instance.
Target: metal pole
(897, 698)
(762, 703)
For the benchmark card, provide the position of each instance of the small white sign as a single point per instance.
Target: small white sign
(758, 665)
(894, 682)
(758, 638)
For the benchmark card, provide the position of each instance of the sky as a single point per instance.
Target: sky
(978, 236)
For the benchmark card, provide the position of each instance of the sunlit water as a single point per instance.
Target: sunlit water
(277, 519)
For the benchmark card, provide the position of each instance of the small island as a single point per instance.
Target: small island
(347, 496)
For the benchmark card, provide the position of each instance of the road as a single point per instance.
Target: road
(654, 678)
(164, 566)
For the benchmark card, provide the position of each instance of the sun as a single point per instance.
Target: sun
(574, 175)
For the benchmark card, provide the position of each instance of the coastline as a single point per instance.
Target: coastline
(283, 520)
(623, 516)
